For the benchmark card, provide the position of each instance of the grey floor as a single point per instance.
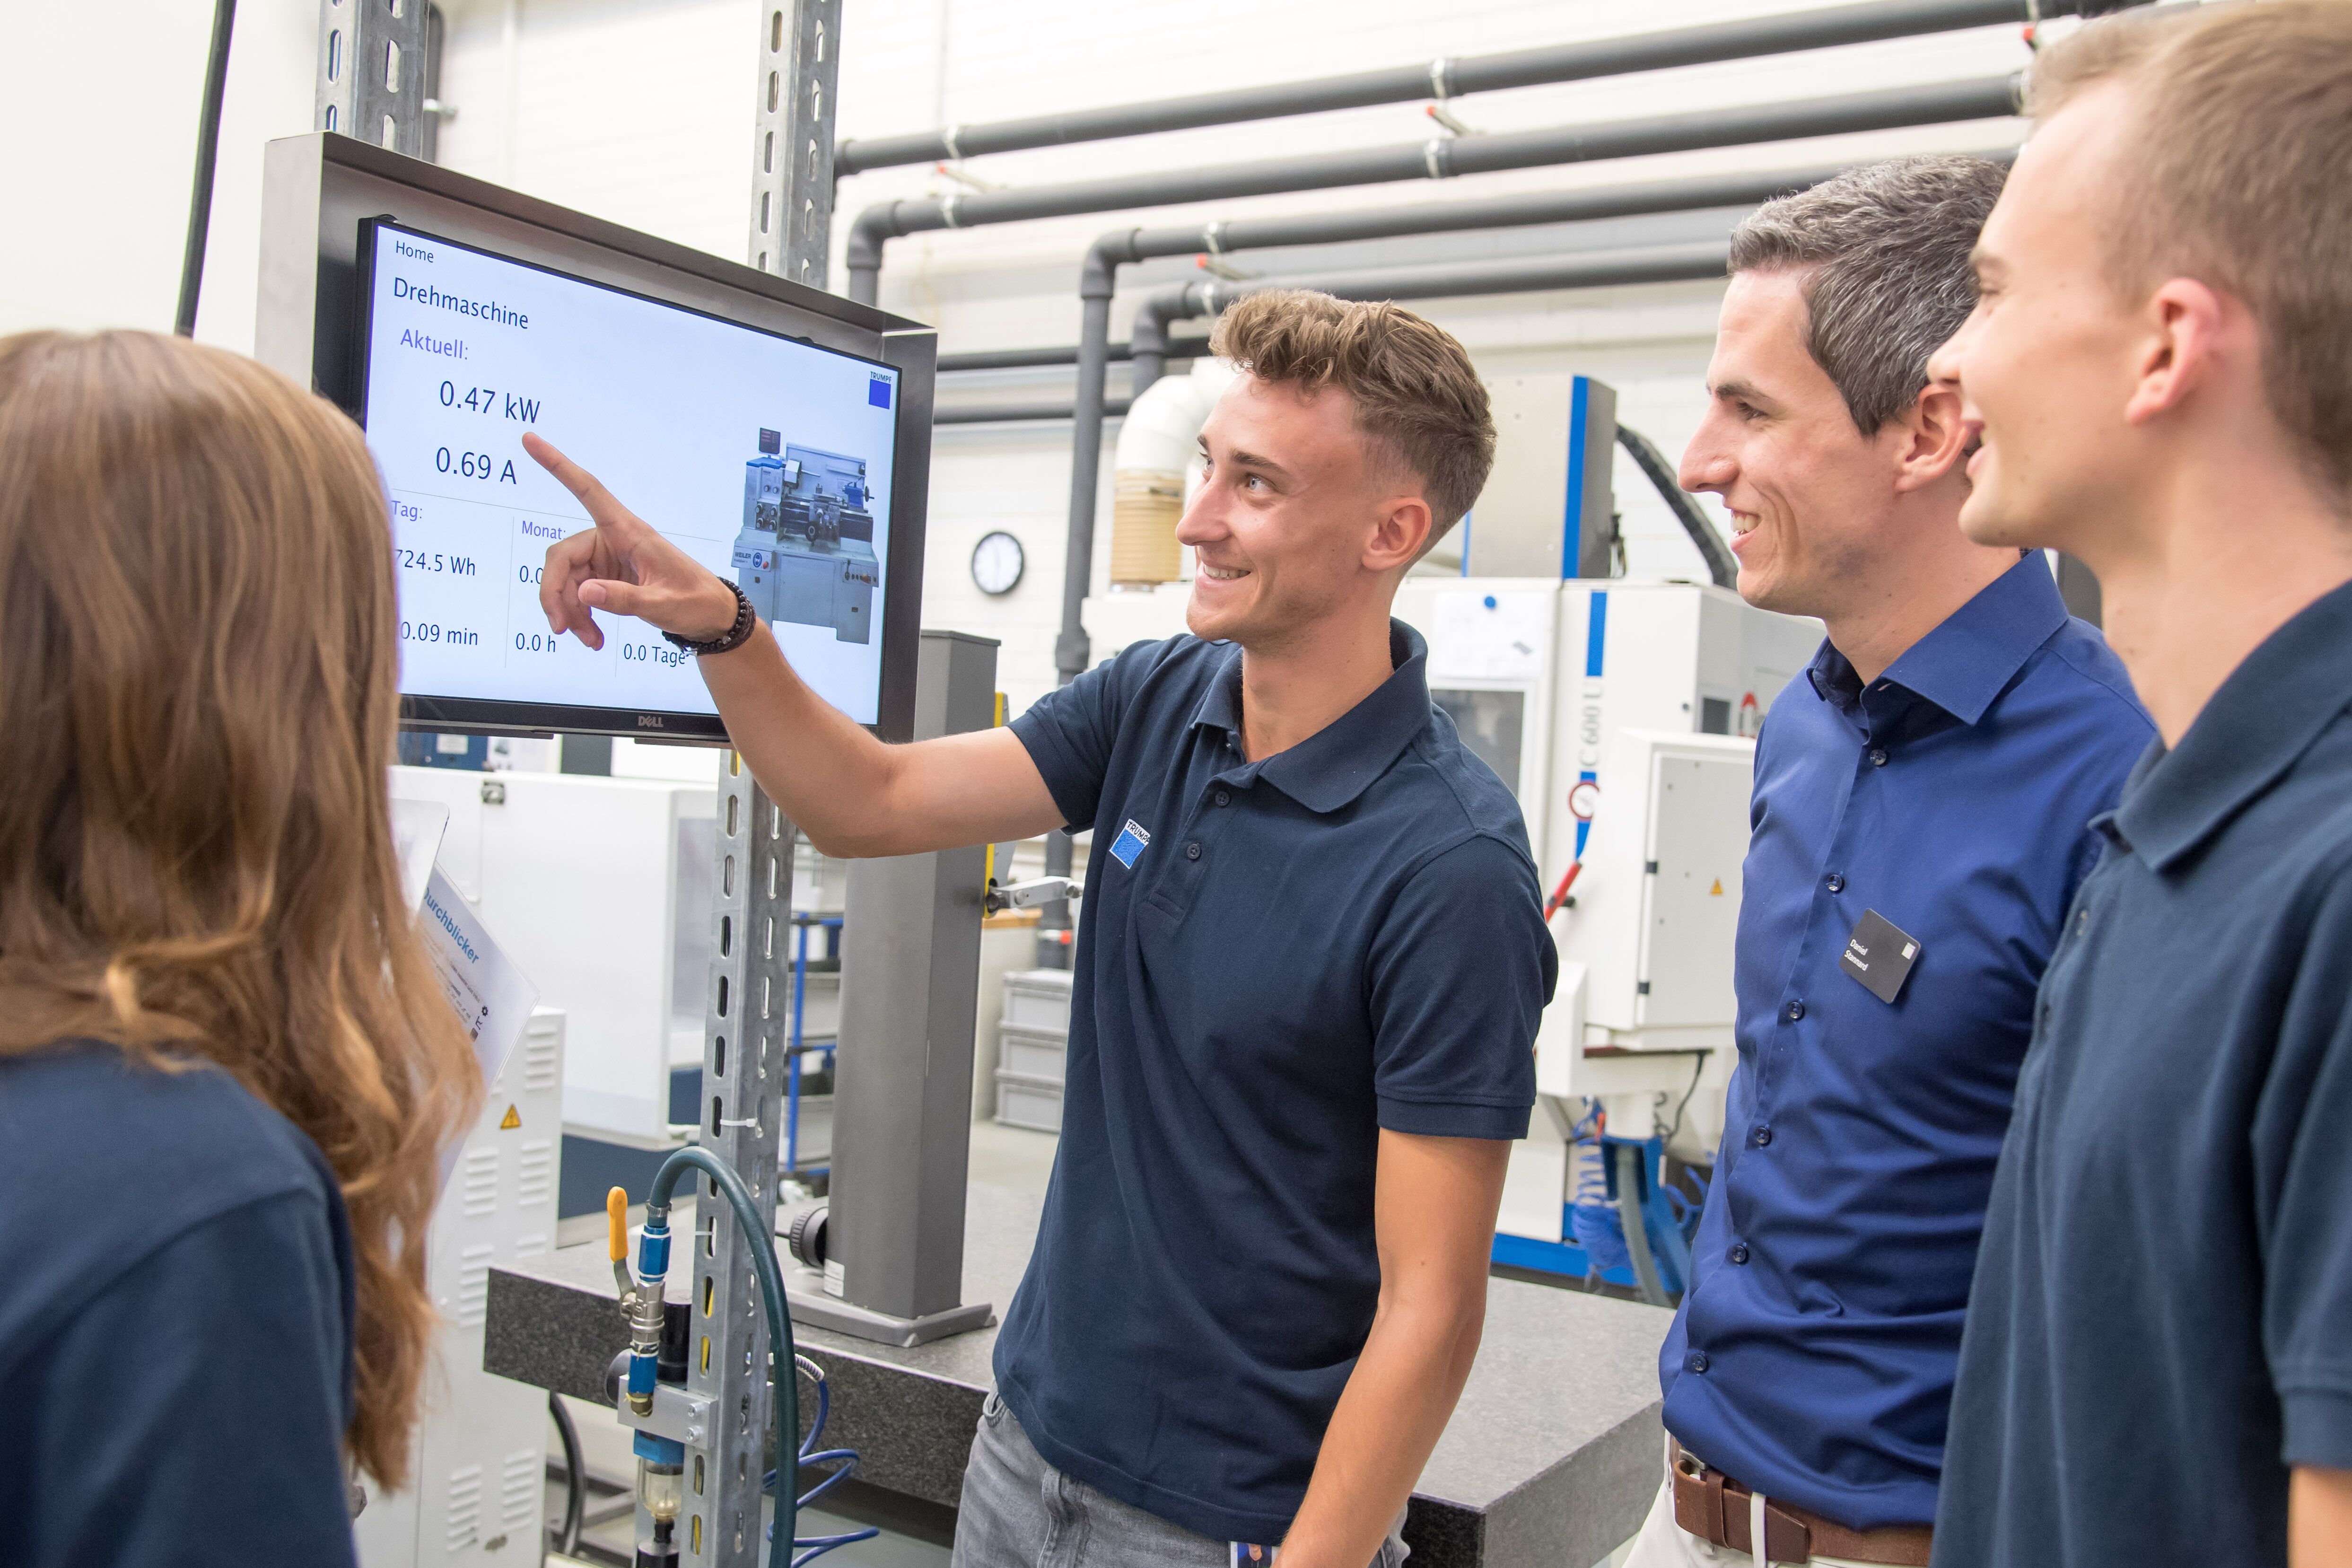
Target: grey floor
(1012, 1157)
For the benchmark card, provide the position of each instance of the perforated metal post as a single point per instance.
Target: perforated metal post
(745, 1022)
(745, 1025)
(372, 64)
(791, 139)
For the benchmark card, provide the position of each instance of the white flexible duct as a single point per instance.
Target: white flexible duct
(1156, 446)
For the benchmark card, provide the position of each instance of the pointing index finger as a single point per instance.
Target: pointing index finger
(602, 507)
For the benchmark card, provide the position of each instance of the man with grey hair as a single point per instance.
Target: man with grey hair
(1921, 814)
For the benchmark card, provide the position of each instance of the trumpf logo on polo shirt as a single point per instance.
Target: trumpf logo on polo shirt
(1129, 843)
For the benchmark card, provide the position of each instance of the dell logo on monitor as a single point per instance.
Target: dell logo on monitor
(649, 721)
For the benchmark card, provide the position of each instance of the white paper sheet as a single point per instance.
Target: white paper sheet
(417, 828)
(492, 997)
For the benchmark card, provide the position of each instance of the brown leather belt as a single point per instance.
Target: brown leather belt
(1714, 1508)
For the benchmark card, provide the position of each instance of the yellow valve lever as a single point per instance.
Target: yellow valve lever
(616, 1213)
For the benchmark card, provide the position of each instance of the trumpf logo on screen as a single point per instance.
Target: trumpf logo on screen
(878, 392)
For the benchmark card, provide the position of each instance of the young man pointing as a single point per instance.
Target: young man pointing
(1309, 972)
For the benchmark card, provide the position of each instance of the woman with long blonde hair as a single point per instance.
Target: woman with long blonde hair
(226, 1075)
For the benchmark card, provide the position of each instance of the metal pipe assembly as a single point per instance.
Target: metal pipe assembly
(1513, 275)
(1446, 78)
(1983, 97)
(1149, 343)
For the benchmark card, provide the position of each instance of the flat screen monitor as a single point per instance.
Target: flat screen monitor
(765, 458)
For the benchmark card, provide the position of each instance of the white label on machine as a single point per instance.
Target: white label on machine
(1489, 636)
(492, 997)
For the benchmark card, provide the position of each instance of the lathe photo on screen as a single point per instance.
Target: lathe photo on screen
(765, 458)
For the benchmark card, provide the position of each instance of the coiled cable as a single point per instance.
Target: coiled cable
(811, 1547)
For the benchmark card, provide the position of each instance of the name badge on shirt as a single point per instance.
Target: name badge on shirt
(1129, 843)
(1248, 1556)
(1880, 954)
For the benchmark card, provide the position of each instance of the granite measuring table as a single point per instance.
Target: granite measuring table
(1552, 1458)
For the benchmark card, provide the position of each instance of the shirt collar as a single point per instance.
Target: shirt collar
(1972, 658)
(1331, 767)
(2250, 733)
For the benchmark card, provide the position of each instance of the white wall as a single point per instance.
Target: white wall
(98, 118)
(640, 110)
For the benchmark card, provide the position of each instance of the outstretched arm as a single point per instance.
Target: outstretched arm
(849, 792)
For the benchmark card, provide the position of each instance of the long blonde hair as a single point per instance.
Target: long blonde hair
(198, 661)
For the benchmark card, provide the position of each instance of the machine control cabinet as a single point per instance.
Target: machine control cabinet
(807, 551)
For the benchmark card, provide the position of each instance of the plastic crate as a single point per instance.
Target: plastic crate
(1038, 999)
(1022, 1102)
(1032, 1053)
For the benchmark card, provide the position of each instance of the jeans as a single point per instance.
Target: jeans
(1018, 1512)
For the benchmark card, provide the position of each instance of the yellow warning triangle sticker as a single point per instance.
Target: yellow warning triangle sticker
(1716, 892)
(513, 1118)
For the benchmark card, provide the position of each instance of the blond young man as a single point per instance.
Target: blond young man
(1309, 972)
(2157, 1362)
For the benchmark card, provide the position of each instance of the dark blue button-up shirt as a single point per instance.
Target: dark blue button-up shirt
(2162, 1321)
(1275, 961)
(1813, 1356)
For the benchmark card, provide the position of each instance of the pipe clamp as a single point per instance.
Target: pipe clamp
(948, 211)
(1441, 77)
(1436, 159)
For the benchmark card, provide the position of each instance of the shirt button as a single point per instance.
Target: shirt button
(1877, 757)
(1794, 1011)
(1763, 1137)
(1738, 1253)
(2082, 922)
(1696, 1361)
(1223, 798)
(1193, 850)
(1836, 883)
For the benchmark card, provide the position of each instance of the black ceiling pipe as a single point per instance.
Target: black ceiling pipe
(1016, 413)
(1983, 98)
(1019, 359)
(1445, 79)
(1030, 359)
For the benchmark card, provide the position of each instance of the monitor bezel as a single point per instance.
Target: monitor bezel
(455, 714)
(320, 186)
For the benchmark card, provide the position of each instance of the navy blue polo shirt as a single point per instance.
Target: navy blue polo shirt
(1275, 961)
(1814, 1355)
(2162, 1323)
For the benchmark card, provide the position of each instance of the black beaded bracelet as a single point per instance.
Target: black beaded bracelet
(735, 636)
